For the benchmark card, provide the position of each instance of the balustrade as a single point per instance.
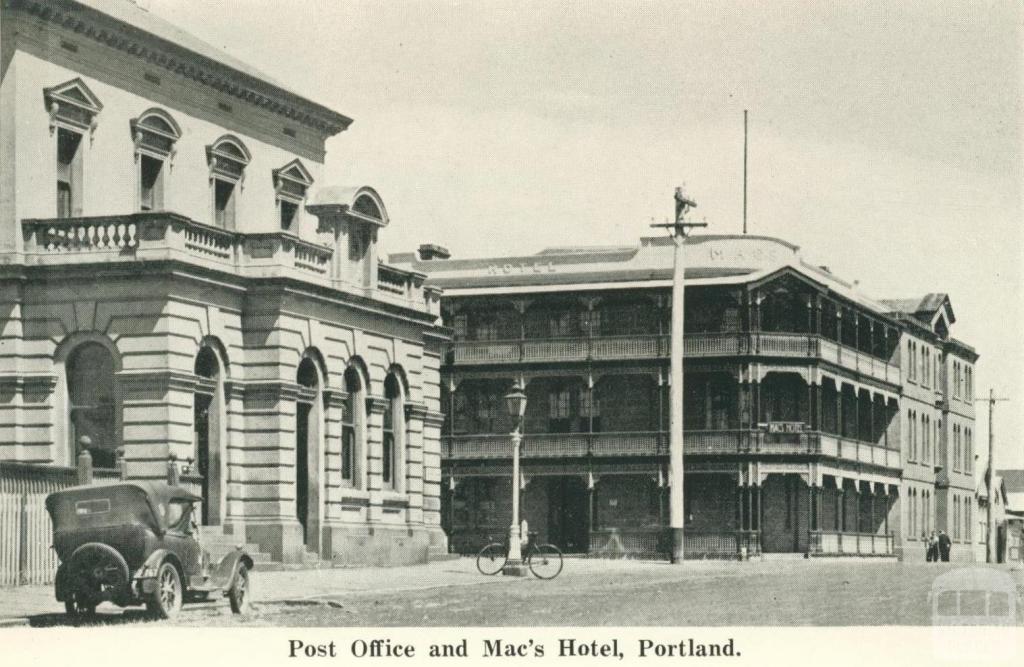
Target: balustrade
(657, 346)
(168, 236)
(655, 443)
(83, 235)
(207, 241)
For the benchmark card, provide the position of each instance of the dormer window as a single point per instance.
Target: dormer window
(228, 158)
(72, 109)
(365, 207)
(154, 134)
(291, 182)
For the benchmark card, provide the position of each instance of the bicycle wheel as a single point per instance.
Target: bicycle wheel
(545, 561)
(491, 559)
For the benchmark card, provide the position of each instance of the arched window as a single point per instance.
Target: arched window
(924, 439)
(227, 158)
(352, 427)
(93, 401)
(956, 518)
(912, 511)
(154, 133)
(394, 431)
(968, 451)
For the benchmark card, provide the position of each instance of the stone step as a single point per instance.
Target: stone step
(783, 556)
(442, 556)
(438, 554)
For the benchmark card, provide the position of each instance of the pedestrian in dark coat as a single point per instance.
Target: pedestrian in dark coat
(945, 545)
(932, 548)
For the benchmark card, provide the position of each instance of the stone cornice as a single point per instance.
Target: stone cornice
(39, 380)
(415, 410)
(159, 379)
(176, 58)
(335, 398)
(376, 404)
(433, 418)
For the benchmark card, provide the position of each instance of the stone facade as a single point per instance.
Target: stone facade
(176, 283)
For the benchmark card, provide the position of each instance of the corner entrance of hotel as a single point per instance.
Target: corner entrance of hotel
(785, 514)
(567, 514)
(556, 509)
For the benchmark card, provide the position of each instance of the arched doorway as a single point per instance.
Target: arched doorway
(308, 438)
(207, 424)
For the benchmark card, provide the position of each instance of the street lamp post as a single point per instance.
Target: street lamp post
(679, 230)
(515, 401)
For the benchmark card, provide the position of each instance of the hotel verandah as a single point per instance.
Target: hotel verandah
(817, 420)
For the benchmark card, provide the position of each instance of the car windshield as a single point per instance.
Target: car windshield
(177, 513)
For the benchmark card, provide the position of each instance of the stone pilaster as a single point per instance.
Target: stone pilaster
(266, 485)
(414, 414)
(375, 406)
(156, 420)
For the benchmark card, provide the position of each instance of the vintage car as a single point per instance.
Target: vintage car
(137, 543)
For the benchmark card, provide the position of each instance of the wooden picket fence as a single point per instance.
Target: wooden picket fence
(26, 531)
(25, 537)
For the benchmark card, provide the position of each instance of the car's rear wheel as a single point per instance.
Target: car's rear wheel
(79, 604)
(240, 593)
(165, 601)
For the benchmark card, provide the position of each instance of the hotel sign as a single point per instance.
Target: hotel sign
(520, 268)
(745, 252)
(784, 427)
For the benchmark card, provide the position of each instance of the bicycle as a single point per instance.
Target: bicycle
(544, 560)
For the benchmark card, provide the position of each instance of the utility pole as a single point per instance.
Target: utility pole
(990, 517)
(744, 171)
(679, 230)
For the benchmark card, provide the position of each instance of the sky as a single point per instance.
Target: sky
(885, 138)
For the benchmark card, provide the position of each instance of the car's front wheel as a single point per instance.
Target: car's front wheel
(165, 601)
(240, 593)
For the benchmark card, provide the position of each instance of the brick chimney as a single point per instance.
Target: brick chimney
(429, 251)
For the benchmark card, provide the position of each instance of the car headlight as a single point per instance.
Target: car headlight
(147, 572)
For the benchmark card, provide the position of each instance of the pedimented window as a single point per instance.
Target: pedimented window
(72, 105)
(291, 183)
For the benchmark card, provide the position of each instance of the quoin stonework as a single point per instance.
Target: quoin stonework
(818, 421)
(178, 287)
